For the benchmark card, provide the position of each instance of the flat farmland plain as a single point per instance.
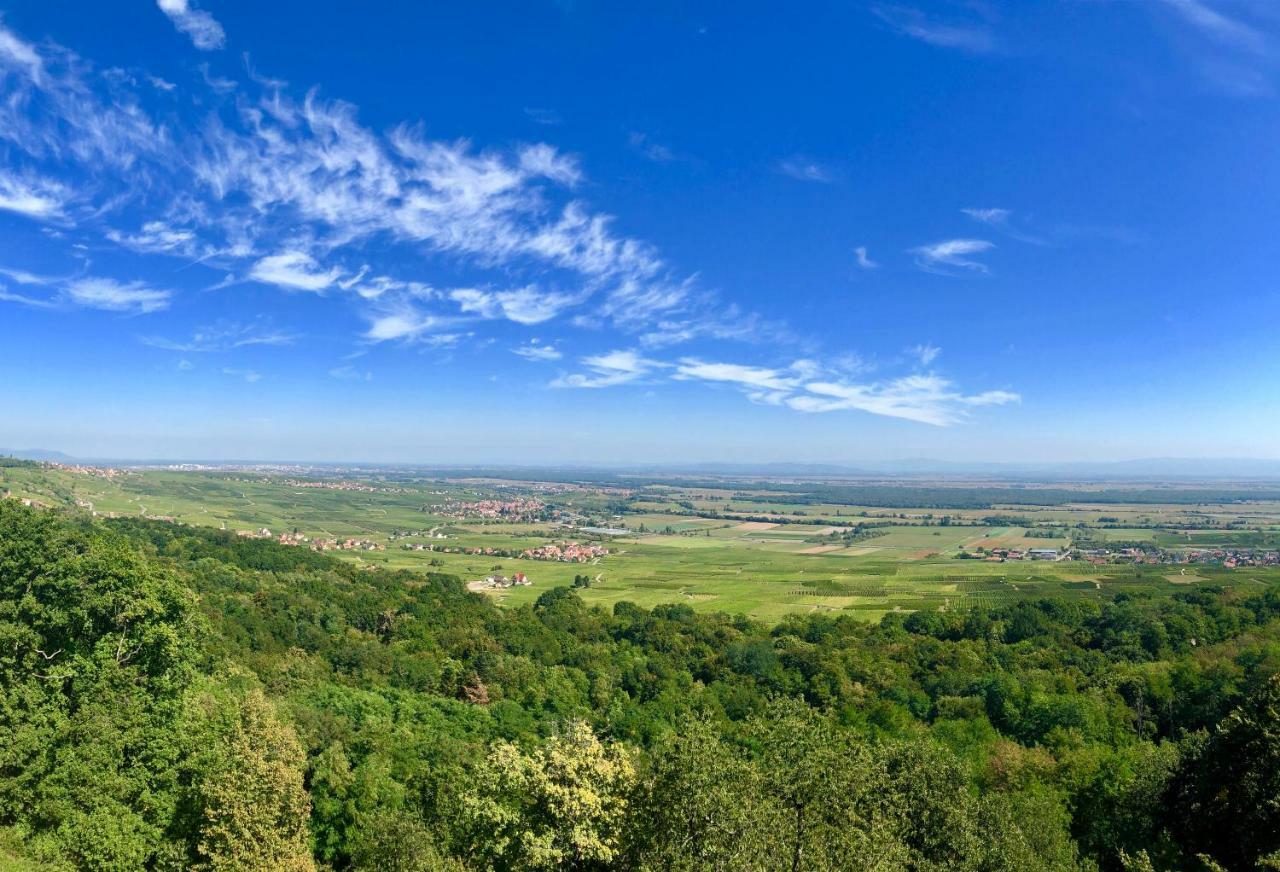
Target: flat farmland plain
(767, 558)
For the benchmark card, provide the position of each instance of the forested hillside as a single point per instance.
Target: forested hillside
(174, 697)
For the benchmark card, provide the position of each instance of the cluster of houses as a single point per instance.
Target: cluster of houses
(98, 471)
(518, 509)
(433, 533)
(331, 485)
(1104, 556)
(300, 541)
(1228, 558)
(1231, 558)
(343, 486)
(1000, 555)
(498, 581)
(569, 552)
(345, 545)
(458, 549)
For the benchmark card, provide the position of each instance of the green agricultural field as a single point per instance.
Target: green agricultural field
(798, 563)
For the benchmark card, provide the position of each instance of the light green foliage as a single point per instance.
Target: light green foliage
(254, 809)
(560, 806)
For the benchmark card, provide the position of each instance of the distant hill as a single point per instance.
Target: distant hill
(37, 454)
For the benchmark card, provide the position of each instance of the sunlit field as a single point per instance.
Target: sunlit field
(767, 557)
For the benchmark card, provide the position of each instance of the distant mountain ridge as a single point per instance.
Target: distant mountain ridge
(37, 454)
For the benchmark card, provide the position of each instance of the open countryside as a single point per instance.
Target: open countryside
(748, 547)
(567, 436)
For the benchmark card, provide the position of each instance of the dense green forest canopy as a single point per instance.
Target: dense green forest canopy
(175, 697)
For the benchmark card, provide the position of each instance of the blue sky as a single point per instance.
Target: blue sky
(570, 232)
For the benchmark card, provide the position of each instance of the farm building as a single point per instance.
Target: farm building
(498, 580)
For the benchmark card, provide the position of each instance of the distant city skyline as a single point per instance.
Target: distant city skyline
(552, 233)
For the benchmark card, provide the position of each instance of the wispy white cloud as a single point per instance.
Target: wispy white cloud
(156, 236)
(31, 196)
(399, 325)
(25, 300)
(294, 270)
(14, 52)
(23, 277)
(991, 398)
(649, 149)
(805, 386)
(1220, 27)
(535, 350)
(1233, 54)
(810, 386)
(55, 110)
(951, 256)
(760, 384)
(205, 32)
(87, 292)
(1002, 220)
(217, 84)
(297, 193)
(927, 399)
(750, 376)
(864, 260)
(114, 296)
(527, 305)
(806, 169)
(609, 370)
(223, 336)
(404, 321)
(992, 217)
(925, 353)
(970, 36)
(447, 340)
